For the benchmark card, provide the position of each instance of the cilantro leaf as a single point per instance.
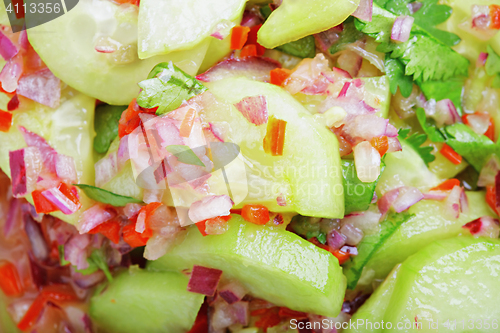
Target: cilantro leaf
(167, 87)
(449, 89)
(424, 55)
(106, 126)
(395, 69)
(107, 197)
(357, 195)
(98, 259)
(492, 66)
(476, 149)
(321, 238)
(429, 127)
(302, 48)
(185, 155)
(369, 245)
(415, 141)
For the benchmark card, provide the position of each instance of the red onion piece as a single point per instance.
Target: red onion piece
(254, 109)
(250, 19)
(93, 217)
(88, 281)
(65, 168)
(210, 207)
(385, 203)
(479, 122)
(394, 145)
(407, 197)
(485, 226)
(401, 29)
(414, 7)
(364, 10)
(343, 91)
(240, 311)
(10, 74)
(325, 39)
(7, 48)
(36, 239)
(13, 215)
(168, 132)
(25, 166)
(75, 251)
(217, 35)
(215, 132)
(481, 60)
(352, 234)
(61, 201)
(23, 40)
(47, 152)
(335, 240)
(255, 68)
(105, 49)
(446, 113)
(435, 195)
(453, 201)
(105, 169)
(204, 280)
(42, 87)
(281, 200)
(489, 172)
(497, 189)
(232, 292)
(122, 152)
(464, 202)
(13, 103)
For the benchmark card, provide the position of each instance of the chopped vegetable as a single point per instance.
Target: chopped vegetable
(185, 155)
(5, 121)
(106, 123)
(447, 185)
(415, 141)
(110, 230)
(10, 283)
(279, 75)
(132, 237)
(249, 51)
(239, 37)
(257, 214)
(381, 144)
(42, 205)
(204, 280)
(254, 109)
(107, 197)
(274, 140)
(450, 154)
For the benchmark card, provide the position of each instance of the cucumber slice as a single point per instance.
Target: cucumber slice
(68, 129)
(270, 262)
(172, 25)
(450, 285)
(67, 46)
(142, 301)
(308, 173)
(429, 223)
(293, 20)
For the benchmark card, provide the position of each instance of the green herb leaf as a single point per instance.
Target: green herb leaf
(97, 257)
(302, 226)
(425, 56)
(492, 66)
(167, 87)
(62, 261)
(321, 238)
(302, 48)
(348, 35)
(369, 245)
(185, 155)
(357, 195)
(395, 70)
(476, 149)
(415, 141)
(107, 197)
(106, 126)
(429, 127)
(449, 89)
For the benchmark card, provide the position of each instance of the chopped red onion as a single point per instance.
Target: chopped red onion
(10, 74)
(169, 133)
(75, 251)
(489, 172)
(367, 161)
(435, 195)
(241, 311)
(445, 113)
(105, 169)
(36, 239)
(131, 209)
(352, 250)
(42, 87)
(352, 234)
(122, 153)
(325, 39)
(401, 29)
(485, 226)
(481, 60)
(25, 167)
(232, 292)
(343, 91)
(453, 201)
(47, 152)
(61, 201)
(204, 280)
(13, 103)
(88, 281)
(497, 189)
(350, 61)
(281, 200)
(105, 49)
(23, 40)
(217, 35)
(364, 10)
(367, 221)
(407, 197)
(210, 207)
(7, 48)
(256, 68)
(394, 145)
(13, 215)
(150, 196)
(414, 7)
(254, 109)
(479, 122)
(335, 240)
(480, 17)
(464, 201)
(65, 168)
(93, 217)
(366, 127)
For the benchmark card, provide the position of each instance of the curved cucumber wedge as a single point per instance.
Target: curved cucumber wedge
(429, 223)
(309, 172)
(270, 262)
(67, 45)
(142, 301)
(68, 129)
(295, 19)
(453, 282)
(172, 25)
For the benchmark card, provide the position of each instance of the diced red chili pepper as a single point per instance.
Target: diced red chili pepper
(380, 143)
(288, 313)
(341, 256)
(149, 210)
(248, 51)
(450, 154)
(447, 185)
(13, 103)
(491, 198)
(278, 76)
(42, 205)
(132, 237)
(5, 121)
(274, 140)
(201, 322)
(70, 193)
(9, 279)
(257, 214)
(490, 132)
(268, 319)
(31, 316)
(252, 39)
(495, 17)
(239, 36)
(110, 230)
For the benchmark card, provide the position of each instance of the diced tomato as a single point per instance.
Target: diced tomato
(42, 205)
(380, 143)
(450, 154)
(279, 75)
(132, 2)
(257, 214)
(252, 39)
(110, 230)
(31, 316)
(201, 322)
(249, 51)
(132, 237)
(130, 119)
(447, 185)
(149, 210)
(269, 318)
(341, 256)
(5, 121)
(9, 279)
(70, 192)
(288, 313)
(495, 17)
(274, 140)
(239, 36)
(491, 198)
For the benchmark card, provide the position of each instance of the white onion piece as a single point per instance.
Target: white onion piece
(150, 196)
(42, 87)
(367, 161)
(93, 217)
(353, 235)
(479, 122)
(255, 68)
(25, 167)
(365, 221)
(254, 109)
(366, 127)
(401, 29)
(140, 224)
(489, 172)
(407, 197)
(445, 113)
(210, 207)
(65, 168)
(364, 10)
(75, 251)
(11, 72)
(122, 153)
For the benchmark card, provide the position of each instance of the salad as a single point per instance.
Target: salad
(249, 166)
